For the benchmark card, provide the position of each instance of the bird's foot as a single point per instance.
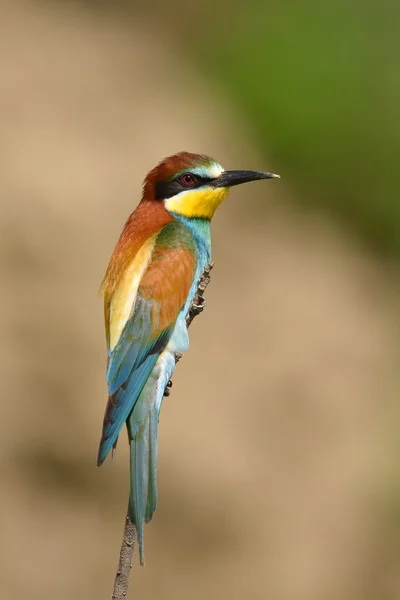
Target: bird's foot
(168, 387)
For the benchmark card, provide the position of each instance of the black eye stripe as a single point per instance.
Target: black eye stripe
(167, 189)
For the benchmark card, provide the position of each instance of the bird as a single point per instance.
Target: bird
(148, 288)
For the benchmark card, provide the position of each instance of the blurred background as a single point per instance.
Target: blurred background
(278, 473)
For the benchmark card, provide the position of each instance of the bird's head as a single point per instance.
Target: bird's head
(193, 185)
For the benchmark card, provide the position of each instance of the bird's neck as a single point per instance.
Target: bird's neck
(200, 229)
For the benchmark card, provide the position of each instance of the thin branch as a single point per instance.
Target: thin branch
(128, 542)
(197, 305)
(125, 561)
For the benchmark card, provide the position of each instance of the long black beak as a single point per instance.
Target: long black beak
(231, 178)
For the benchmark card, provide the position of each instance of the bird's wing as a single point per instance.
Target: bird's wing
(167, 268)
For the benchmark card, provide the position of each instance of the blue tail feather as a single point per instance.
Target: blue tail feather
(152, 485)
(143, 439)
(139, 455)
(143, 461)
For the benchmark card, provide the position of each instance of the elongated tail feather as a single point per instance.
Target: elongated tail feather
(139, 454)
(143, 462)
(152, 482)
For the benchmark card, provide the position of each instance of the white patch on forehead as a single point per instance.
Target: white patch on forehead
(211, 170)
(216, 170)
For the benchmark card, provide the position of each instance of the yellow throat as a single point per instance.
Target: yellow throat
(200, 203)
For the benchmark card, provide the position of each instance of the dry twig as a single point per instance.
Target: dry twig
(128, 542)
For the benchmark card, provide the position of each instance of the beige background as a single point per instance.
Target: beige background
(279, 444)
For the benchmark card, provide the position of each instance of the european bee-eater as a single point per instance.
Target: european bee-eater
(148, 288)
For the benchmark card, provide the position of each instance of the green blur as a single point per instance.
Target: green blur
(320, 85)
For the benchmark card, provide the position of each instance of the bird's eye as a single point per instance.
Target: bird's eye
(187, 179)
